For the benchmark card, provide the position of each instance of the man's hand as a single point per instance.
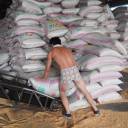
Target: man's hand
(40, 78)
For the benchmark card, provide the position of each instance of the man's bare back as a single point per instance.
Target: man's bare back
(63, 57)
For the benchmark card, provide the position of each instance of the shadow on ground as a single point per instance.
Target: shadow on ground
(115, 106)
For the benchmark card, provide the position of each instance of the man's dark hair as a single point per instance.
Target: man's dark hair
(54, 41)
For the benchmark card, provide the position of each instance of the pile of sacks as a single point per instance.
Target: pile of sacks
(6, 42)
(90, 30)
(121, 14)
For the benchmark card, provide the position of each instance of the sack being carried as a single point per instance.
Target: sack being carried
(50, 86)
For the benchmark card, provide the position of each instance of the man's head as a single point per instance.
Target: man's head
(54, 41)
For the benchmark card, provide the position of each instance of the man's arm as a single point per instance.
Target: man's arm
(48, 66)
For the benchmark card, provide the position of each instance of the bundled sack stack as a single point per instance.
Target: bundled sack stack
(6, 42)
(28, 58)
(121, 14)
(89, 30)
(96, 60)
(100, 65)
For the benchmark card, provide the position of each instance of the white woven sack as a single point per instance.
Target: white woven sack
(55, 28)
(111, 82)
(29, 29)
(115, 35)
(76, 44)
(88, 22)
(32, 43)
(111, 26)
(93, 16)
(31, 66)
(71, 11)
(114, 96)
(100, 51)
(75, 23)
(93, 88)
(69, 4)
(105, 90)
(35, 53)
(78, 104)
(93, 2)
(80, 32)
(30, 7)
(27, 22)
(90, 62)
(28, 75)
(42, 4)
(25, 15)
(98, 38)
(111, 68)
(110, 22)
(27, 36)
(77, 101)
(50, 10)
(66, 19)
(93, 9)
(50, 86)
(95, 76)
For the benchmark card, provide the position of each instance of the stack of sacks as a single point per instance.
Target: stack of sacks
(89, 22)
(96, 18)
(102, 40)
(28, 57)
(121, 14)
(108, 21)
(101, 65)
(6, 26)
(36, 22)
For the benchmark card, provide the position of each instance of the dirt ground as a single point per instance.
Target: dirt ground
(113, 115)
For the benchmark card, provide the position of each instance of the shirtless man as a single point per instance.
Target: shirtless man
(69, 72)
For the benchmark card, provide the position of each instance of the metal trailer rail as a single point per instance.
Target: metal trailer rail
(20, 87)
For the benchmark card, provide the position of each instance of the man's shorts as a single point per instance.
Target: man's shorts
(68, 75)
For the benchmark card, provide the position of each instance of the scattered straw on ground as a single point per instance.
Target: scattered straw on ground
(26, 118)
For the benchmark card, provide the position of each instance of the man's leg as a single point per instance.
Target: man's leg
(64, 98)
(82, 87)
